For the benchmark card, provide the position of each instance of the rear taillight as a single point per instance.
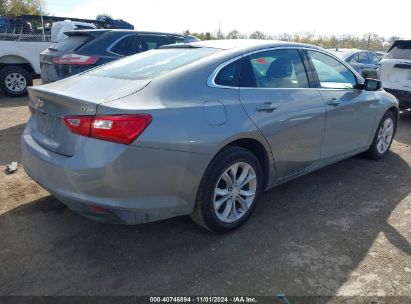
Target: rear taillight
(122, 129)
(75, 59)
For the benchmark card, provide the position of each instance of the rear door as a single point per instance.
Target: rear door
(275, 92)
(350, 112)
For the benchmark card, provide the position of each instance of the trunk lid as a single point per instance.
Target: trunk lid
(51, 103)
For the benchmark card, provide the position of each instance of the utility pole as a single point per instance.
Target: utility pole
(42, 22)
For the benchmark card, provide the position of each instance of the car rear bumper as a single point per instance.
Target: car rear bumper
(404, 97)
(116, 183)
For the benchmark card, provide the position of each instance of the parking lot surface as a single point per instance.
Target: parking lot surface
(343, 230)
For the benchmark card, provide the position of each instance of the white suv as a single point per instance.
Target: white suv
(395, 72)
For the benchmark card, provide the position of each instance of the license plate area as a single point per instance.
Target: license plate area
(48, 125)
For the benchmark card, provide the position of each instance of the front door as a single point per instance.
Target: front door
(350, 112)
(275, 93)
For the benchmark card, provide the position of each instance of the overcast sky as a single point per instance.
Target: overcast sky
(385, 18)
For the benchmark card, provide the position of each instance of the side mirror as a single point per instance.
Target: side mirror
(371, 84)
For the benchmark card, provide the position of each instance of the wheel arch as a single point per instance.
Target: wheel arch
(15, 60)
(260, 151)
(395, 111)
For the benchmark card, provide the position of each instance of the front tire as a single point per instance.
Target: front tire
(14, 81)
(229, 190)
(383, 136)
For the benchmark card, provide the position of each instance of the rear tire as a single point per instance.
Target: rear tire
(383, 136)
(14, 81)
(229, 190)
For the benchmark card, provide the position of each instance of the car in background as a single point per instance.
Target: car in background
(395, 72)
(366, 63)
(86, 49)
(380, 54)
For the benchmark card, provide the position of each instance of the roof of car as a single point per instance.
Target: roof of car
(247, 44)
(127, 31)
(344, 53)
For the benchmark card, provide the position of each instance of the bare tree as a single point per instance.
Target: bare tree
(257, 35)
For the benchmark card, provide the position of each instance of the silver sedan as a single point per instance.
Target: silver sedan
(200, 129)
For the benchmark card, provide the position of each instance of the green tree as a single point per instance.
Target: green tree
(208, 36)
(257, 35)
(14, 8)
(234, 35)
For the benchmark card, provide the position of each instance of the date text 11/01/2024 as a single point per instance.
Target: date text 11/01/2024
(239, 299)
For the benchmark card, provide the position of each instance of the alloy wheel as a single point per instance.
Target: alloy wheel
(385, 135)
(234, 192)
(15, 82)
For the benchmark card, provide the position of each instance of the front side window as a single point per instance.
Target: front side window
(151, 64)
(332, 74)
(274, 69)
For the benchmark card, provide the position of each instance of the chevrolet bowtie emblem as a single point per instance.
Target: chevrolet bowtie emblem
(39, 104)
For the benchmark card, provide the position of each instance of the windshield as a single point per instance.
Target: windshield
(400, 50)
(152, 63)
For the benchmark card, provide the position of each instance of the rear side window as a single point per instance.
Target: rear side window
(125, 46)
(229, 75)
(401, 50)
(176, 39)
(133, 44)
(373, 58)
(149, 42)
(332, 73)
(152, 64)
(274, 69)
(354, 58)
(363, 58)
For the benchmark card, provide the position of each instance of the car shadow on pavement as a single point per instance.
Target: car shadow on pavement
(403, 134)
(306, 237)
(7, 102)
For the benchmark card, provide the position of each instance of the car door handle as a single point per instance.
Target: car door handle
(267, 107)
(333, 102)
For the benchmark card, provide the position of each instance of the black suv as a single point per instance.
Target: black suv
(85, 49)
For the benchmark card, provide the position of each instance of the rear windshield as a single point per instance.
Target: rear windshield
(152, 63)
(401, 50)
(70, 43)
(341, 54)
